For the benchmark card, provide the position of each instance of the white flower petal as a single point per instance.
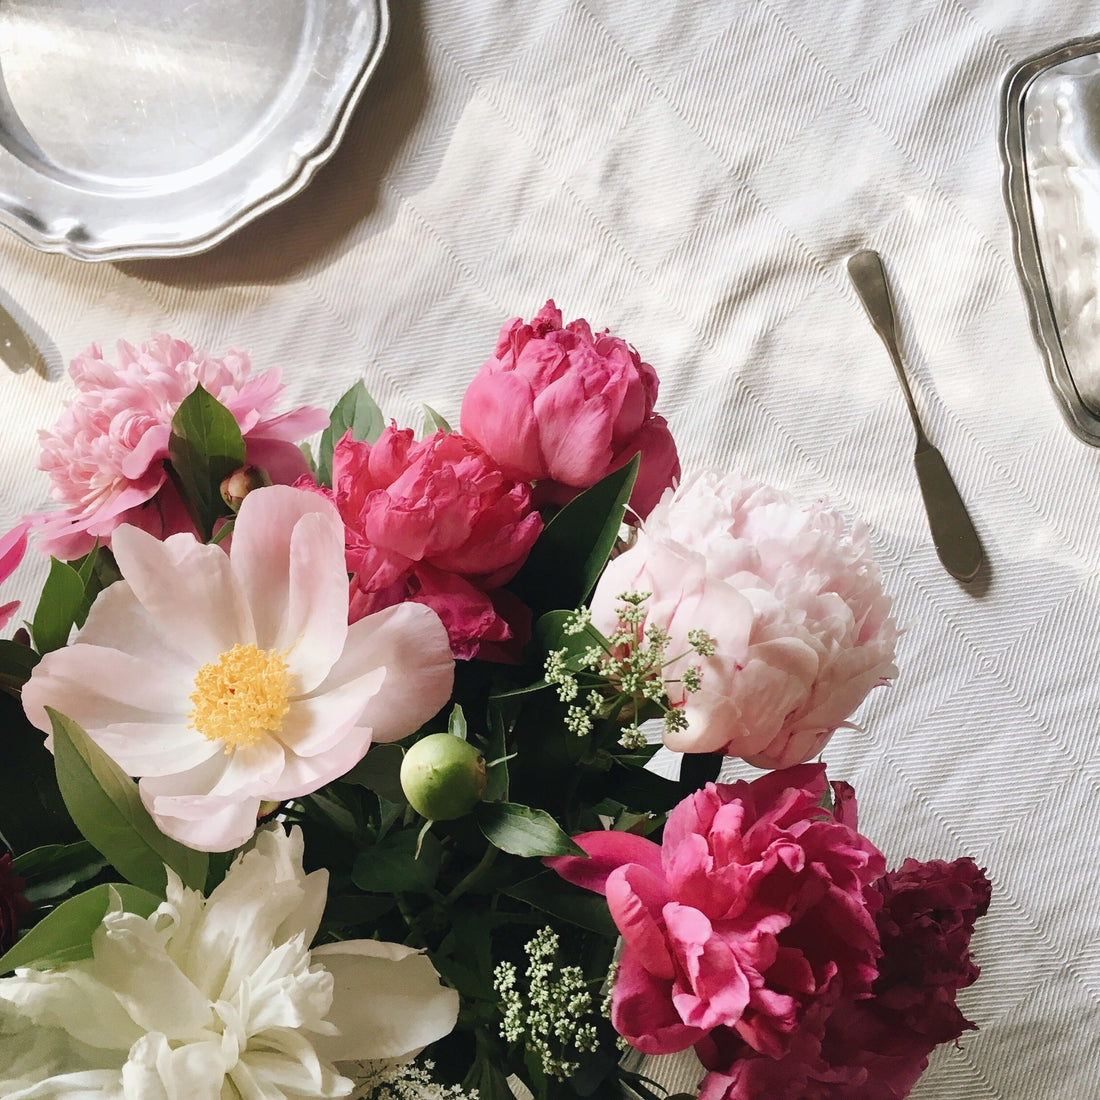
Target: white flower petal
(199, 821)
(410, 641)
(271, 562)
(387, 1001)
(188, 588)
(316, 723)
(156, 1071)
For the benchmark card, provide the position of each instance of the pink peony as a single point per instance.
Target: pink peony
(12, 548)
(105, 457)
(438, 523)
(752, 911)
(564, 408)
(875, 1047)
(802, 625)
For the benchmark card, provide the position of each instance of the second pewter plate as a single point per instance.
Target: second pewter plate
(1050, 144)
(137, 128)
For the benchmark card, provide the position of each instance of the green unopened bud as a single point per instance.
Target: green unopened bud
(443, 777)
(240, 483)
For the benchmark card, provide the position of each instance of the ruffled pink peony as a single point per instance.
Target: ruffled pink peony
(564, 408)
(105, 457)
(12, 548)
(875, 1047)
(755, 908)
(803, 627)
(438, 523)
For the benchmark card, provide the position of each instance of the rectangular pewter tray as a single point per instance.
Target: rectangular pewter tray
(1050, 144)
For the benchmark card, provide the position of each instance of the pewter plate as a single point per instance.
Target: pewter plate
(145, 128)
(1051, 152)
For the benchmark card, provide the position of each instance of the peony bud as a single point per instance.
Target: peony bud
(443, 777)
(240, 483)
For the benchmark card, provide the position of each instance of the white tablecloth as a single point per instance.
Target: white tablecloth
(692, 175)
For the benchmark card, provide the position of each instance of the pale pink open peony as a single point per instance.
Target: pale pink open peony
(105, 456)
(795, 604)
(227, 680)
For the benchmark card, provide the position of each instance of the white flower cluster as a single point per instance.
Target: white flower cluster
(624, 673)
(405, 1081)
(550, 1019)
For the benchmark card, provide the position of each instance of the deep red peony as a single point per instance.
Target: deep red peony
(13, 906)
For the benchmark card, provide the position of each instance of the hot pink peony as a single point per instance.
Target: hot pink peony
(12, 548)
(875, 1047)
(796, 605)
(564, 408)
(752, 911)
(105, 457)
(438, 523)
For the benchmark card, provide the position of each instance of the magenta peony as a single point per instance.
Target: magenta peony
(12, 548)
(105, 456)
(875, 1047)
(438, 523)
(13, 906)
(796, 606)
(563, 407)
(752, 912)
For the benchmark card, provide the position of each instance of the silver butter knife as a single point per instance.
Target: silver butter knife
(17, 349)
(953, 533)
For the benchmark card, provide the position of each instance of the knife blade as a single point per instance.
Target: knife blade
(953, 535)
(17, 349)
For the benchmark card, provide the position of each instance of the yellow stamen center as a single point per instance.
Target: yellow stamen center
(240, 697)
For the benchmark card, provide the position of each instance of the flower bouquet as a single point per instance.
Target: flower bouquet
(328, 769)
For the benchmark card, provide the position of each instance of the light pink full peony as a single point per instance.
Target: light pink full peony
(755, 910)
(105, 456)
(437, 522)
(796, 605)
(225, 680)
(563, 407)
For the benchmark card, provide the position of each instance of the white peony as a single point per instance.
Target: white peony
(219, 998)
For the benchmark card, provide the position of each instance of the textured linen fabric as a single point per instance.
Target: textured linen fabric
(692, 174)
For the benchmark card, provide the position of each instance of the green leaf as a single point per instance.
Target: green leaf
(16, 663)
(392, 866)
(54, 869)
(433, 422)
(456, 724)
(574, 546)
(65, 935)
(488, 1080)
(105, 804)
(380, 771)
(205, 447)
(496, 776)
(549, 893)
(524, 831)
(357, 412)
(58, 607)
